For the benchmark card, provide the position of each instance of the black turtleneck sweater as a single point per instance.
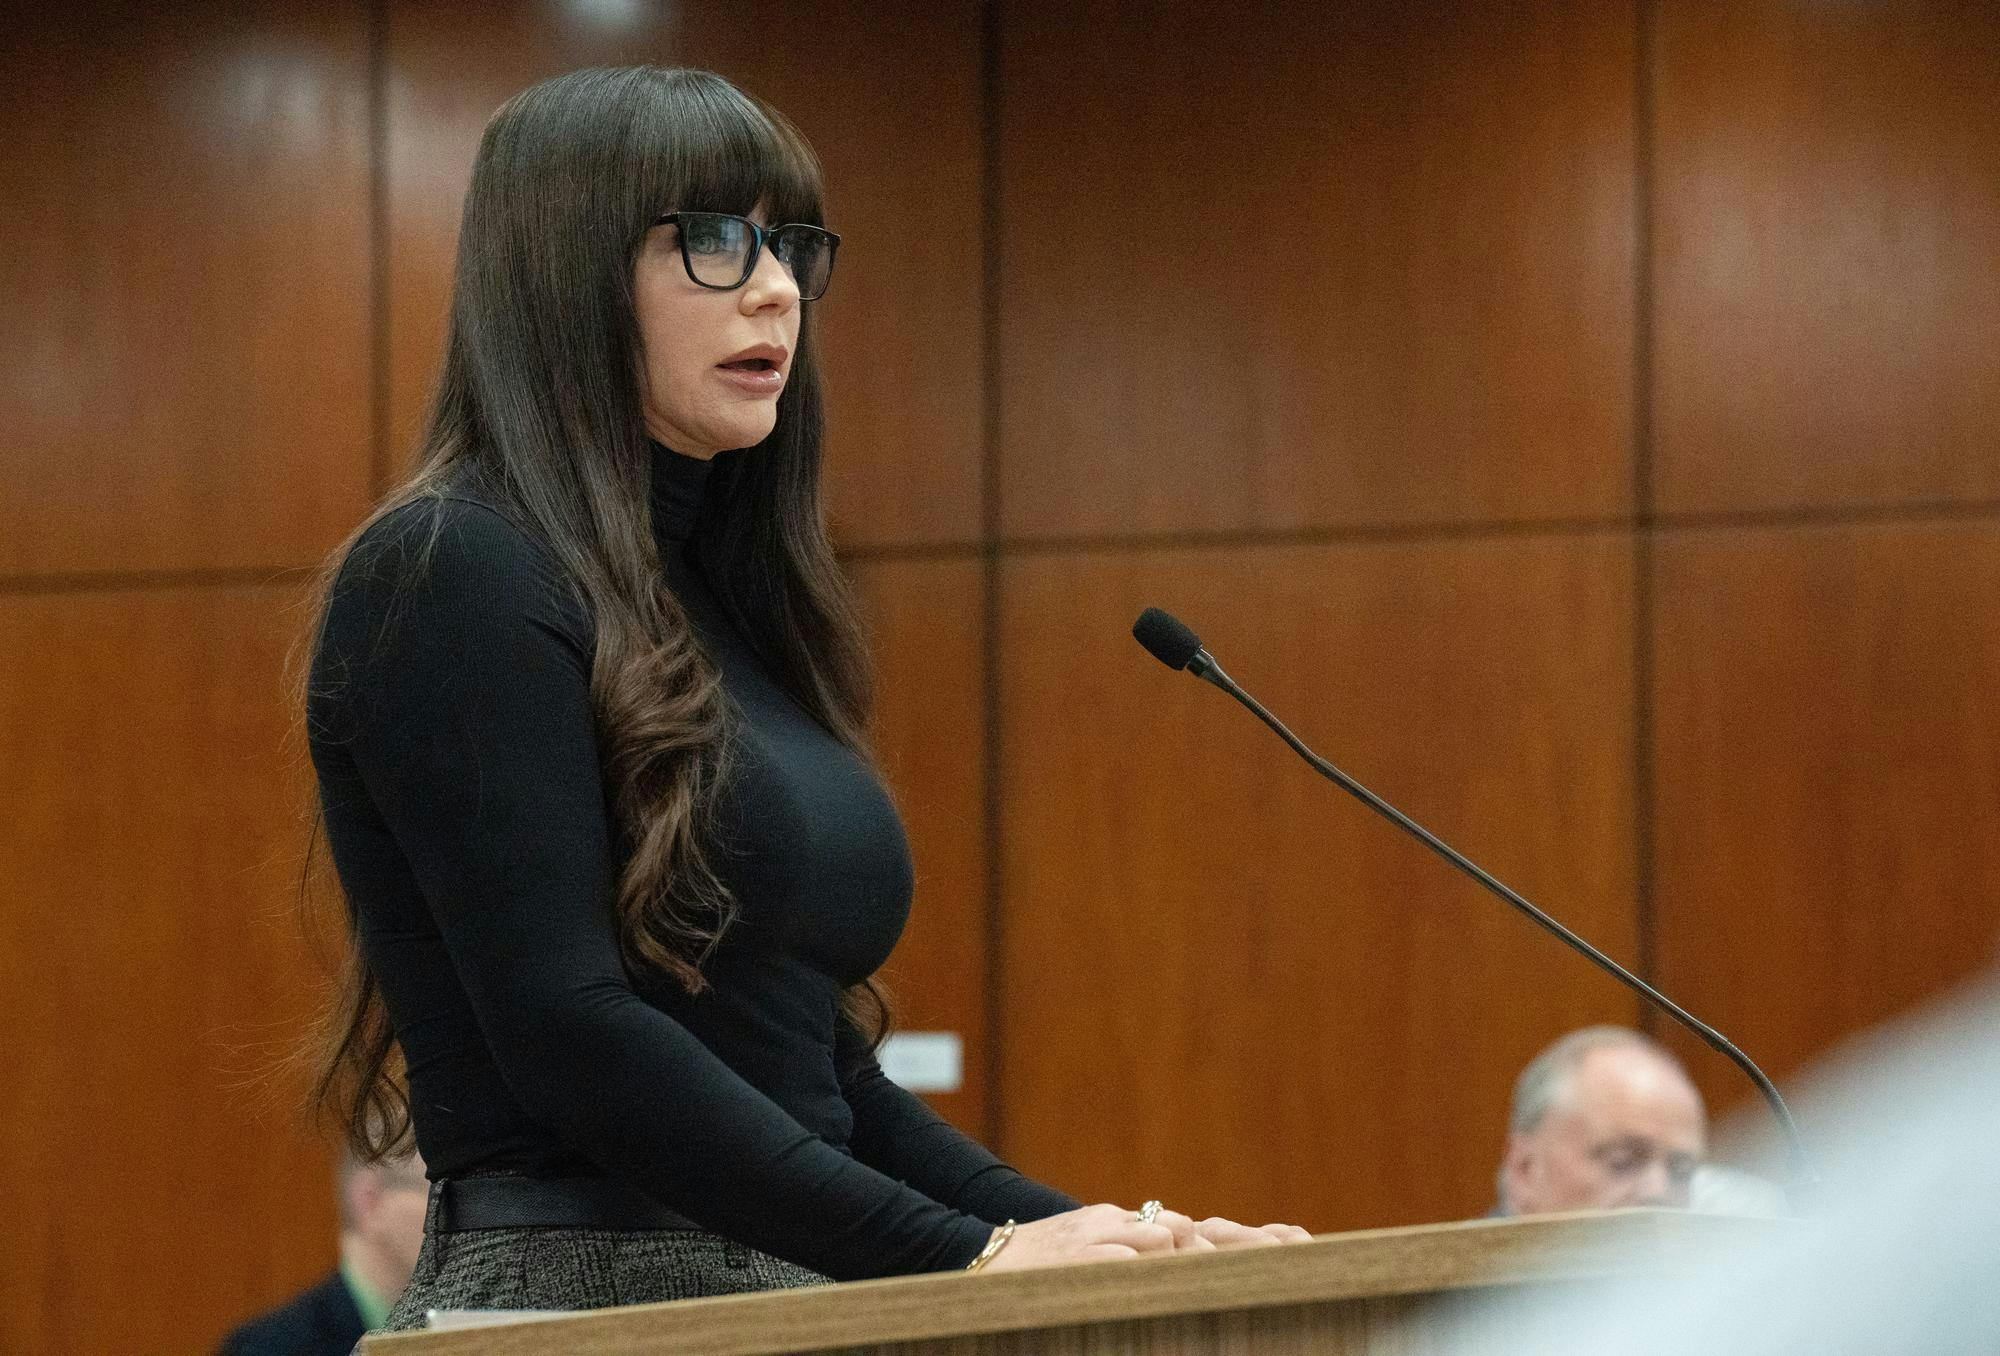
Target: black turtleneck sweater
(452, 732)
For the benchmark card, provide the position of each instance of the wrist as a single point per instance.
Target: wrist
(993, 1246)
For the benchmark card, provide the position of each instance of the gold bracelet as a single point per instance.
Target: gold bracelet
(993, 1246)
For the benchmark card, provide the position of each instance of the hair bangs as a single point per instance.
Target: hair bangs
(709, 147)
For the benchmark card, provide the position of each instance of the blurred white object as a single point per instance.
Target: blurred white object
(448, 1320)
(1901, 1255)
(924, 1061)
(1719, 1190)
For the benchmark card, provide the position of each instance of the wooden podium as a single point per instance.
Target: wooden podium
(1392, 1289)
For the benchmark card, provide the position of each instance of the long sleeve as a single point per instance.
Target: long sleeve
(457, 695)
(897, 1133)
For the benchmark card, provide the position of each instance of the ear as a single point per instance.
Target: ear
(364, 1192)
(1518, 1171)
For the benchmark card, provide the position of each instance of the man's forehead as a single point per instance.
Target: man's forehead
(1631, 1090)
(1632, 1070)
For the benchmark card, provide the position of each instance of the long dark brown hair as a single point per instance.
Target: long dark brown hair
(539, 404)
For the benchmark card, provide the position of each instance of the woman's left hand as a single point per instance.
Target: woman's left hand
(1216, 1232)
(1191, 1235)
(1187, 1233)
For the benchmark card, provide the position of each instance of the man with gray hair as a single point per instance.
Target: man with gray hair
(1603, 1118)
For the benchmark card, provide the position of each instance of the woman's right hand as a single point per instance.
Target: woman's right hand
(1096, 1233)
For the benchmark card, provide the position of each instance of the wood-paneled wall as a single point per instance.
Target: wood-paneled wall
(1823, 473)
(1580, 422)
(184, 339)
(1316, 265)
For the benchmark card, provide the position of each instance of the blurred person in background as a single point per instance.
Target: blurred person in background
(381, 1228)
(1897, 1249)
(1605, 1117)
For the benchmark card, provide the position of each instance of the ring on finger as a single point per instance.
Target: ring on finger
(1149, 1212)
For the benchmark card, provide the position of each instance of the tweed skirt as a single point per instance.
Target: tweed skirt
(581, 1269)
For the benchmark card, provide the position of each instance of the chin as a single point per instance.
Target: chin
(750, 436)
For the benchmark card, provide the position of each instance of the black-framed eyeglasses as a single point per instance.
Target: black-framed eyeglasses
(720, 250)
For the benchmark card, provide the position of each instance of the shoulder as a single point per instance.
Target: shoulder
(459, 552)
(449, 539)
(321, 1319)
(447, 580)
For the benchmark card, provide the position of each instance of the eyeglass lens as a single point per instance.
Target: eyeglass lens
(718, 248)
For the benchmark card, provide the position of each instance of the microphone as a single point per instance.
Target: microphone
(1169, 640)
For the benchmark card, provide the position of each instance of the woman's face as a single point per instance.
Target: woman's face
(693, 403)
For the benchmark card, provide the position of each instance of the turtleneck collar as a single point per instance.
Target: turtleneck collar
(679, 483)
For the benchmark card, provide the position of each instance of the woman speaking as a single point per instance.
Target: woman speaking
(586, 704)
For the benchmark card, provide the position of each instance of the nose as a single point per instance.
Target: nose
(771, 285)
(1655, 1185)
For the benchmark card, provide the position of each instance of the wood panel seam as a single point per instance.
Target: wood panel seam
(1658, 524)
(1644, 375)
(126, 581)
(380, 463)
(990, 134)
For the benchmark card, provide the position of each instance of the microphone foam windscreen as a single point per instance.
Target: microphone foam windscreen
(1165, 638)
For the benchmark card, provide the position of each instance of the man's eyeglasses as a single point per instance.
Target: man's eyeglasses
(720, 250)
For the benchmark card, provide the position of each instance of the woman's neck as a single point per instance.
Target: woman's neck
(680, 485)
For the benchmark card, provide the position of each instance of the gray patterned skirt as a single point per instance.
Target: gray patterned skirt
(581, 1269)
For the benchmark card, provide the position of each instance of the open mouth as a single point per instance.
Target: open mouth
(750, 365)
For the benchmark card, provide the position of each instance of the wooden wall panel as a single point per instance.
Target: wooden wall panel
(157, 1185)
(1302, 265)
(1829, 764)
(1357, 265)
(889, 95)
(889, 99)
(1229, 985)
(928, 622)
(450, 67)
(184, 311)
(1828, 237)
